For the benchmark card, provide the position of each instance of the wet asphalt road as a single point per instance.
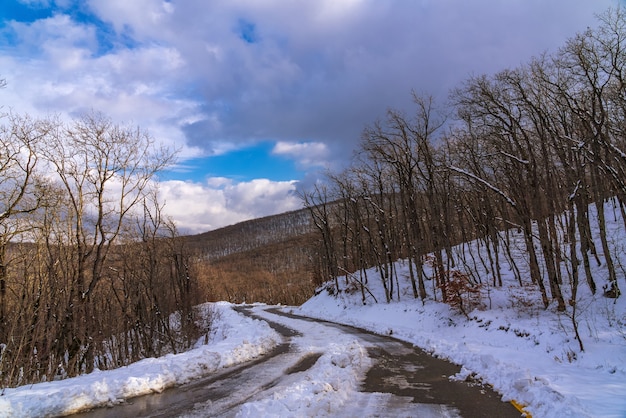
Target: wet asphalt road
(409, 378)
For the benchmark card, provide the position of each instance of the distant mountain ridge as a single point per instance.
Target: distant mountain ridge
(251, 234)
(271, 259)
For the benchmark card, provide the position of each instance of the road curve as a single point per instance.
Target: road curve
(403, 381)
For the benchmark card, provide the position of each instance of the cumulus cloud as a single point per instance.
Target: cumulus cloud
(55, 68)
(208, 77)
(54, 34)
(306, 154)
(140, 19)
(322, 70)
(217, 202)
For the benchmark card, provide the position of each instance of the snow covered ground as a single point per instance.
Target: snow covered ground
(527, 353)
(530, 357)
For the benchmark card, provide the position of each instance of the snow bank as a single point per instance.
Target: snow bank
(235, 338)
(322, 391)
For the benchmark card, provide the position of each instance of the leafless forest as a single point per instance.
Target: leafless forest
(90, 271)
(530, 148)
(92, 275)
(269, 260)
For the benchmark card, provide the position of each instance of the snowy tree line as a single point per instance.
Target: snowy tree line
(90, 269)
(528, 149)
(251, 234)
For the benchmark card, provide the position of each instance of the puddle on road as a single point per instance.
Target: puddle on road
(402, 383)
(304, 364)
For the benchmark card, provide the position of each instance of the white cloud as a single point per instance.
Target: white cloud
(319, 70)
(143, 17)
(36, 3)
(306, 154)
(218, 202)
(57, 37)
(137, 85)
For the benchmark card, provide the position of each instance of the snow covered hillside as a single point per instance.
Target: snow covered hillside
(527, 353)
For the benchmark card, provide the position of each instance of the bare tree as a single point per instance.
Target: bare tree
(393, 145)
(319, 202)
(104, 169)
(20, 188)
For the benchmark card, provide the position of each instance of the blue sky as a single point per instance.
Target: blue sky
(244, 164)
(23, 12)
(260, 97)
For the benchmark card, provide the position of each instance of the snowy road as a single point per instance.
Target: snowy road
(324, 369)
